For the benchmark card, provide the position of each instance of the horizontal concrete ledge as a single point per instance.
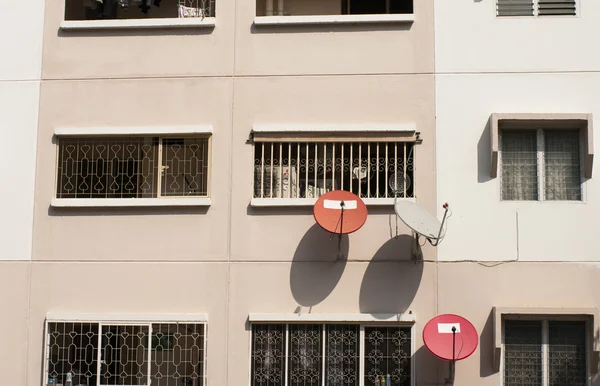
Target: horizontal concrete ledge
(405, 318)
(128, 202)
(137, 23)
(334, 128)
(307, 202)
(334, 19)
(99, 317)
(133, 130)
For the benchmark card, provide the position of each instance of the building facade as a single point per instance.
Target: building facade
(165, 232)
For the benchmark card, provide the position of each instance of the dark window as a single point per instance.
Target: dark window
(369, 7)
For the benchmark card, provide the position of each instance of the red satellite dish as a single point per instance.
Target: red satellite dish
(440, 339)
(340, 212)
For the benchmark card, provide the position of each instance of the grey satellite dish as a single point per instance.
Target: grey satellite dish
(421, 221)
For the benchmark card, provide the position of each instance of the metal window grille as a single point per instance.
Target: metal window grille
(138, 167)
(545, 353)
(196, 8)
(96, 353)
(329, 355)
(522, 353)
(311, 169)
(540, 165)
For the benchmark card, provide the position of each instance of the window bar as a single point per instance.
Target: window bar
(396, 169)
(342, 165)
(377, 174)
(541, 175)
(387, 160)
(404, 181)
(160, 168)
(262, 170)
(99, 359)
(149, 337)
(333, 165)
(545, 352)
(285, 358)
(316, 162)
(324, 363)
(306, 171)
(47, 354)
(369, 169)
(76, 167)
(272, 171)
(350, 169)
(58, 181)
(298, 171)
(280, 190)
(361, 355)
(290, 171)
(203, 356)
(359, 167)
(325, 167)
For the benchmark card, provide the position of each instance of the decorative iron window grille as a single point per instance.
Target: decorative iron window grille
(541, 165)
(132, 167)
(330, 354)
(311, 169)
(96, 353)
(545, 353)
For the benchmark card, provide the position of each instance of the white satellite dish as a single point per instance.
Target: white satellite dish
(421, 221)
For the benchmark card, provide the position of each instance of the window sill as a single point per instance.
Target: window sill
(306, 202)
(128, 202)
(333, 19)
(137, 23)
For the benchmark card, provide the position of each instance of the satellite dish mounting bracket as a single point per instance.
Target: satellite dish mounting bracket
(341, 224)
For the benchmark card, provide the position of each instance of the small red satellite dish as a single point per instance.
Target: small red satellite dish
(340, 212)
(439, 338)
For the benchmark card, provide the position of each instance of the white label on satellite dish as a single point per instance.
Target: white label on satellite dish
(446, 328)
(337, 204)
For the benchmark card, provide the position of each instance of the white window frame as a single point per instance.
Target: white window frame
(362, 320)
(540, 149)
(545, 319)
(328, 131)
(121, 320)
(536, 12)
(132, 131)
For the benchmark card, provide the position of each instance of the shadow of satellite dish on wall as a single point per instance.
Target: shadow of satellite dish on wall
(317, 266)
(392, 278)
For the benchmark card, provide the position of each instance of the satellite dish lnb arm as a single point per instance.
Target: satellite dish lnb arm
(438, 239)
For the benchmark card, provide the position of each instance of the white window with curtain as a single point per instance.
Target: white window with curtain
(540, 165)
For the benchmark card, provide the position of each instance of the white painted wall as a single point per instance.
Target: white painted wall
(484, 65)
(21, 33)
(21, 28)
(470, 38)
(483, 227)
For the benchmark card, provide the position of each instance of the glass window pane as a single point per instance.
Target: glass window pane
(562, 165)
(342, 355)
(268, 354)
(305, 355)
(185, 167)
(519, 165)
(567, 354)
(177, 354)
(107, 168)
(387, 352)
(72, 348)
(522, 353)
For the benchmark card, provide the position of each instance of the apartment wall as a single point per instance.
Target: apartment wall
(20, 69)
(498, 253)
(470, 38)
(231, 259)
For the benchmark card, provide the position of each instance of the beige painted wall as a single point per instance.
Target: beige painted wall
(135, 233)
(129, 288)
